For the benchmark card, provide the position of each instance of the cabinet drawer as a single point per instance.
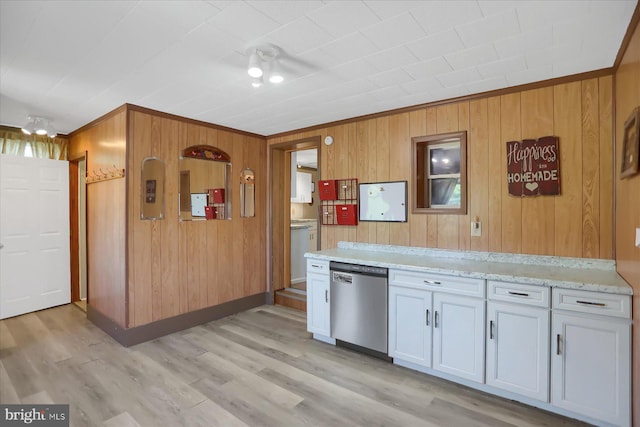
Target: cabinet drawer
(438, 282)
(519, 293)
(592, 302)
(317, 266)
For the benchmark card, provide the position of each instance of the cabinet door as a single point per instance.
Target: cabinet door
(410, 318)
(590, 366)
(458, 336)
(318, 315)
(518, 349)
(299, 245)
(302, 188)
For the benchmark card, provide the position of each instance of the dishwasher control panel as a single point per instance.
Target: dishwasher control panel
(358, 269)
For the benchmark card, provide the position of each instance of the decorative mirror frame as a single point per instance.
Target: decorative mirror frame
(152, 191)
(420, 189)
(214, 154)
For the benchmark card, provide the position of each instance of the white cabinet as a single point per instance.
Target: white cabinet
(312, 243)
(518, 339)
(458, 336)
(301, 187)
(590, 359)
(410, 325)
(433, 322)
(299, 245)
(318, 289)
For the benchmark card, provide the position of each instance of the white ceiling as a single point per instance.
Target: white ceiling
(74, 61)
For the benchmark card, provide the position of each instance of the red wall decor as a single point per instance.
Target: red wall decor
(533, 167)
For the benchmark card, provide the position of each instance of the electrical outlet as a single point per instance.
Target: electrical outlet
(637, 237)
(476, 228)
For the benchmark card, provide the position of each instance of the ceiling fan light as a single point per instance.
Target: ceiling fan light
(275, 75)
(28, 128)
(257, 82)
(255, 68)
(40, 127)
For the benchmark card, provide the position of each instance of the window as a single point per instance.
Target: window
(27, 150)
(439, 173)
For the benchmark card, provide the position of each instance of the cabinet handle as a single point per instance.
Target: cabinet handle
(315, 265)
(432, 282)
(491, 329)
(435, 319)
(558, 344)
(599, 304)
(519, 294)
(427, 317)
(326, 295)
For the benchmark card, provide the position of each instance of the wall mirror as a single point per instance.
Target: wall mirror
(439, 173)
(247, 193)
(204, 184)
(152, 189)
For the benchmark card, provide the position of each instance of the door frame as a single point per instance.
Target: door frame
(279, 214)
(74, 227)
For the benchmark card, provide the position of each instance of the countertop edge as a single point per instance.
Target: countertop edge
(620, 287)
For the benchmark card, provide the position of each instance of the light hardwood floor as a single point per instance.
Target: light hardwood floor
(257, 368)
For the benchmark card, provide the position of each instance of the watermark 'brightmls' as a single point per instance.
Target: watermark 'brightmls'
(34, 415)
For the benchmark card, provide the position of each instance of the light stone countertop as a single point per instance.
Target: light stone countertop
(560, 272)
(299, 226)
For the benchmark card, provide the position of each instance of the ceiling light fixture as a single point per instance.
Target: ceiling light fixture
(255, 66)
(275, 75)
(257, 81)
(258, 57)
(39, 126)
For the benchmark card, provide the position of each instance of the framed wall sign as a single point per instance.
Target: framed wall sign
(631, 145)
(533, 167)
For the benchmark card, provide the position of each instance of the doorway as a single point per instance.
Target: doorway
(288, 217)
(78, 231)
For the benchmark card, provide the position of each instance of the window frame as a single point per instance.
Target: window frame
(422, 178)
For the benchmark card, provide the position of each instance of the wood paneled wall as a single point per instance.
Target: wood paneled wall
(105, 145)
(577, 223)
(627, 84)
(177, 267)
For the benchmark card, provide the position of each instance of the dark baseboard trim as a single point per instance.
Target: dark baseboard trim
(132, 336)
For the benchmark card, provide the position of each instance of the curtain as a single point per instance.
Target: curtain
(442, 189)
(13, 141)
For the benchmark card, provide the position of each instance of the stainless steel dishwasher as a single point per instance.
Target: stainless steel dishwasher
(359, 305)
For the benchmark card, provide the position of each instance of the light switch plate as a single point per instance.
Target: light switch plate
(476, 228)
(637, 237)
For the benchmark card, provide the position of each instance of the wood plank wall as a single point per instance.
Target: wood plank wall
(627, 213)
(577, 223)
(178, 267)
(105, 145)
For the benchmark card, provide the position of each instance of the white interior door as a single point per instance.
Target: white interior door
(34, 233)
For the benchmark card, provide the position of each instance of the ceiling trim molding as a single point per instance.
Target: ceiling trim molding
(633, 25)
(99, 120)
(498, 92)
(157, 113)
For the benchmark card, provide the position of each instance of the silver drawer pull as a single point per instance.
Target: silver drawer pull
(599, 304)
(518, 294)
(432, 282)
(315, 266)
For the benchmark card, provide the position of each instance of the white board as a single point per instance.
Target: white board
(383, 201)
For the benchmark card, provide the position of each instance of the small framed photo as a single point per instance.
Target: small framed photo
(631, 145)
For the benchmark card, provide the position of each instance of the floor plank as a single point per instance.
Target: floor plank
(257, 368)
